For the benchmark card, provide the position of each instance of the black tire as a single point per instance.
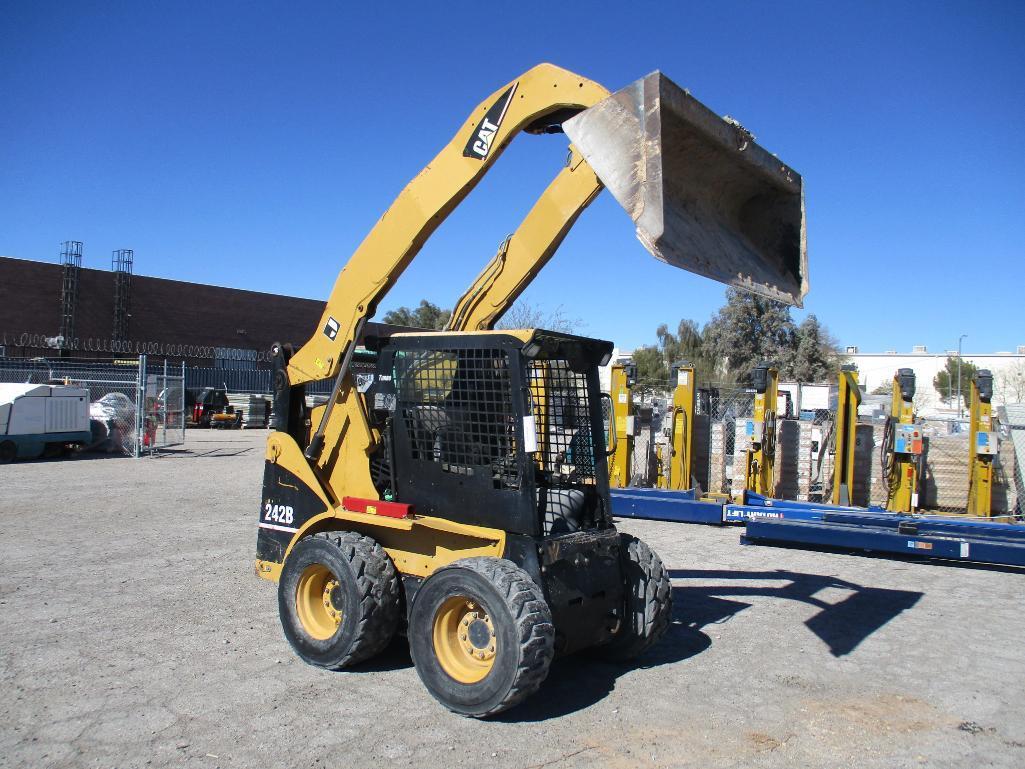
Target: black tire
(362, 587)
(8, 452)
(649, 602)
(521, 639)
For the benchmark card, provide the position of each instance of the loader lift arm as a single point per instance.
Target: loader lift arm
(430, 197)
(749, 234)
(524, 253)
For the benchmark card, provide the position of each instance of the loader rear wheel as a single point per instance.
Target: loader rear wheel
(481, 636)
(338, 599)
(649, 602)
(8, 452)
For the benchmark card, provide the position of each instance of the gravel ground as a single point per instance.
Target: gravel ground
(134, 634)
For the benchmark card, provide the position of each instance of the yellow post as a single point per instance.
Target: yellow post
(623, 376)
(681, 425)
(761, 430)
(983, 445)
(847, 402)
(903, 446)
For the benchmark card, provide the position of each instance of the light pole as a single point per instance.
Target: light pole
(959, 374)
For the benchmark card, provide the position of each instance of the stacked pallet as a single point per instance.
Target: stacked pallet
(255, 409)
(944, 483)
(258, 414)
(797, 459)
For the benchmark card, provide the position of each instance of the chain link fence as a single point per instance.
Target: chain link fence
(718, 428)
(805, 450)
(944, 466)
(164, 397)
(244, 381)
(134, 406)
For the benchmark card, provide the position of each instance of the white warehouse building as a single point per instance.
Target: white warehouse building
(1008, 368)
(876, 369)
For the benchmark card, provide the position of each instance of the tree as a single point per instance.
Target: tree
(652, 372)
(1010, 382)
(816, 357)
(945, 382)
(748, 330)
(427, 315)
(686, 345)
(524, 314)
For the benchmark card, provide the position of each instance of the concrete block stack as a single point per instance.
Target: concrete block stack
(792, 461)
(741, 443)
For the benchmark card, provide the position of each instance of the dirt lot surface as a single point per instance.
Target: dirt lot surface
(134, 633)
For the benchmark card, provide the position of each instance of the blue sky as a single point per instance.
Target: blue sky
(255, 144)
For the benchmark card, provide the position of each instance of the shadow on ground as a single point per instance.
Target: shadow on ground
(841, 625)
(579, 681)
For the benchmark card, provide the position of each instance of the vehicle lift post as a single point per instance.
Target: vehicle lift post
(983, 445)
(761, 430)
(624, 375)
(672, 499)
(681, 427)
(902, 447)
(846, 427)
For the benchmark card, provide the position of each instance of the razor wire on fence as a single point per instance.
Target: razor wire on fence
(28, 340)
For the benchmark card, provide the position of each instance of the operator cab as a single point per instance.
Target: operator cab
(498, 429)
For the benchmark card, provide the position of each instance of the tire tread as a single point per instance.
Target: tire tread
(651, 602)
(377, 584)
(533, 618)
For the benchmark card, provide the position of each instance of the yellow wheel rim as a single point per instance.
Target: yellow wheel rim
(464, 640)
(314, 602)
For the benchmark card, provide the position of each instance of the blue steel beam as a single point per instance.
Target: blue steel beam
(975, 546)
(665, 505)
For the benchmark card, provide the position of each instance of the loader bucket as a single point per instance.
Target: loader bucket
(703, 196)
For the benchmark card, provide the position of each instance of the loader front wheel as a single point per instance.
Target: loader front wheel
(481, 636)
(649, 602)
(338, 599)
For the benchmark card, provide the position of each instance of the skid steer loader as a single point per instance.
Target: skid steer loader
(461, 497)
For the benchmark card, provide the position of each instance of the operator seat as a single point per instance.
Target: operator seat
(562, 510)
